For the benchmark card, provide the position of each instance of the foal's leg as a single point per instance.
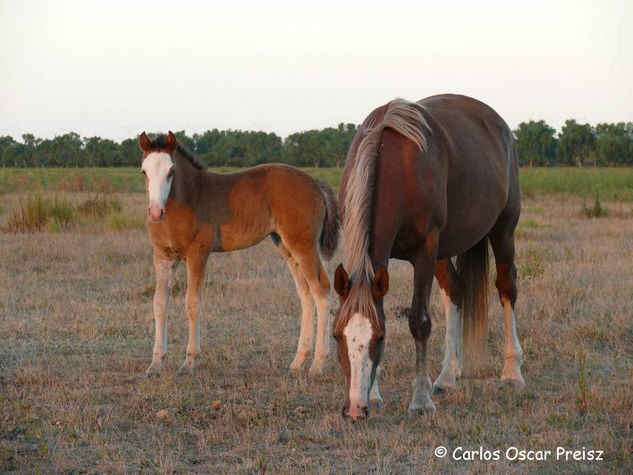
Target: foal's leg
(420, 326)
(502, 242)
(319, 284)
(165, 272)
(320, 289)
(196, 268)
(307, 309)
(450, 292)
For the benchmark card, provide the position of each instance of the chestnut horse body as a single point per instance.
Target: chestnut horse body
(425, 182)
(193, 212)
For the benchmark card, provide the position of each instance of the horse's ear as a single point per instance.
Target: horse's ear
(341, 282)
(144, 142)
(171, 142)
(380, 285)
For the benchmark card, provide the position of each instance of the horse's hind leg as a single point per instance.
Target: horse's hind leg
(502, 242)
(451, 298)
(319, 285)
(307, 309)
(196, 268)
(165, 271)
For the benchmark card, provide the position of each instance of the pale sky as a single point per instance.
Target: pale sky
(116, 68)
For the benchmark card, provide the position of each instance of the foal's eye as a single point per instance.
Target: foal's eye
(336, 337)
(143, 172)
(170, 173)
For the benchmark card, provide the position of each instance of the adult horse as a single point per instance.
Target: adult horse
(193, 212)
(424, 182)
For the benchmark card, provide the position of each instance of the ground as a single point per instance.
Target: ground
(76, 335)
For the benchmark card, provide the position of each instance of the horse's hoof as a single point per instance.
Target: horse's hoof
(443, 388)
(427, 410)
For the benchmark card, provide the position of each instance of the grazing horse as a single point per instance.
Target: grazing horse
(193, 212)
(425, 182)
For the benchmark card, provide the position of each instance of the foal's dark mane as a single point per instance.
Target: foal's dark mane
(159, 142)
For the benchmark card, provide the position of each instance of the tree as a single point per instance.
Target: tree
(536, 144)
(614, 144)
(575, 143)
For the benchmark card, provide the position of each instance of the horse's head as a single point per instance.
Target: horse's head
(359, 330)
(158, 167)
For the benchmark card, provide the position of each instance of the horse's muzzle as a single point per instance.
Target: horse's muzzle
(355, 413)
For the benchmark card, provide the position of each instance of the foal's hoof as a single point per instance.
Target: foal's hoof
(153, 371)
(316, 371)
(186, 369)
(516, 383)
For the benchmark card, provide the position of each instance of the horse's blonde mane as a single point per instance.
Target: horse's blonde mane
(406, 118)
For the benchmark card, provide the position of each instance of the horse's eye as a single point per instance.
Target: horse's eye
(336, 337)
(380, 340)
(170, 173)
(143, 172)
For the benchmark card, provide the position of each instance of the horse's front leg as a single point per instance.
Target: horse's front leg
(420, 326)
(196, 268)
(165, 271)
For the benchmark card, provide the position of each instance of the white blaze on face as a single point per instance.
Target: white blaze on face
(157, 166)
(358, 334)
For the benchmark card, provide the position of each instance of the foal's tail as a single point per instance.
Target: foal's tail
(472, 268)
(330, 231)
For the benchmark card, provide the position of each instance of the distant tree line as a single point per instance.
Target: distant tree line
(235, 148)
(538, 145)
(575, 145)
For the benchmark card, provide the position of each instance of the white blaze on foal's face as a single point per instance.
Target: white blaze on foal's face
(358, 334)
(158, 168)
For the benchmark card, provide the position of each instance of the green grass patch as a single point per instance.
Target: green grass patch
(612, 184)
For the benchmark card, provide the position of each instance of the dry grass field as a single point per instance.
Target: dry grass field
(76, 335)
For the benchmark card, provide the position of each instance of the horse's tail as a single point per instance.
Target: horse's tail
(330, 231)
(472, 268)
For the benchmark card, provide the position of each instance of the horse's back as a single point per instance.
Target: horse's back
(482, 172)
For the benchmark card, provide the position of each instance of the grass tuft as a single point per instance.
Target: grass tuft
(597, 211)
(120, 221)
(99, 206)
(39, 213)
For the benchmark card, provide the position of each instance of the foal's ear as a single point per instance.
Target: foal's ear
(380, 285)
(144, 142)
(341, 282)
(171, 142)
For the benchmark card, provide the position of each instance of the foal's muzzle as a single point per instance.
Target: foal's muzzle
(156, 213)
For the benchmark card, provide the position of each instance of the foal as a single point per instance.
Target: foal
(193, 212)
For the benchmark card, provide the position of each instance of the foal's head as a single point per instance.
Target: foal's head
(359, 330)
(158, 168)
